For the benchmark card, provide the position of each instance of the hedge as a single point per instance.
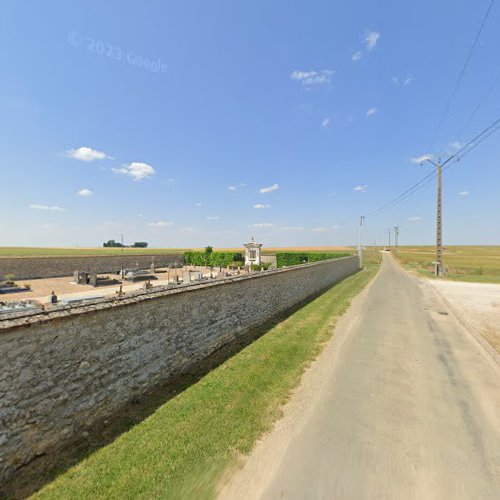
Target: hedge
(296, 258)
(215, 259)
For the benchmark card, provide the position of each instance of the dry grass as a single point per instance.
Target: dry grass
(464, 263)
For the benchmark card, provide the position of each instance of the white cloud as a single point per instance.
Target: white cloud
(292, 228)
(270, 189)
(455, 145)
(326, 122)
(232, 188)
(357, 56)
(86, 154)
(262, 225)
(404, 81)
(308, 78)
(362, 188)
(261, 205)
(371, 39)
(421, 159)
(136, 170)
(371, 111)
(161, 223)
(85, 192)
(321, 229)
(47, 208)
(415, 219)
(464, 193)
(187, 229)
(212, 217)
(199, 204)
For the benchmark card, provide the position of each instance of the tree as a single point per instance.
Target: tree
(209, 250)
(140, 244)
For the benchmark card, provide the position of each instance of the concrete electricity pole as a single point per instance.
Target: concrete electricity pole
(390, 238)
(396, 237)
(360, 246)
(439, 220)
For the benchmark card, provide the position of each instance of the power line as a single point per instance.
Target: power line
(461, 75)
(454, 158)
(480, 103)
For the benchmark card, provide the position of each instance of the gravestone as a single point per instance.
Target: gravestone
(93, 279)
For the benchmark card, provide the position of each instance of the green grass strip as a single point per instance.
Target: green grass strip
(181, 450)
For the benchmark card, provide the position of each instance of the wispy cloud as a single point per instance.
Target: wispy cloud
(362, 188)
(48, 208)
(187, 229)
(161, 223)
(322, 229)
(212, 217)
(464, 193)
(371, 39)
(422, 158)
(232, 188)
(85, 192)
(261, 205)
(292, 228)
(85, 153)
(416, 218)
(270, 189)
(404, 81)
(199, 204)
(136, 170)
(357, 56)
(309, 78)
(371, 111)
(455, 145)
(262, 225)
(326, 122)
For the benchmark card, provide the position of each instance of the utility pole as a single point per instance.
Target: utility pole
(121, 237)
(439, 220)
(396, 237)
(390, 238)
(360, 247)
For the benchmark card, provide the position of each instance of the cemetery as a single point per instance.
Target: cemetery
(83, 331)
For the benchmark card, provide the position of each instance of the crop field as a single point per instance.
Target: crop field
(74, 252)
(479, 264)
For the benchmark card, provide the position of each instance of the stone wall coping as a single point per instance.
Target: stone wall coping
(90, 256)
(57, 312)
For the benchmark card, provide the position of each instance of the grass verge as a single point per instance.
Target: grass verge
(181, 450)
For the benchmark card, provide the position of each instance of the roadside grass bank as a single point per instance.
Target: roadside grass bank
(182, 449)
(478, 264)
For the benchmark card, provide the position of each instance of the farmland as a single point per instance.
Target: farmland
(479, 264)
(98, 251)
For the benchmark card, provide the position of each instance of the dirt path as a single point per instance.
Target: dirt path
(401, 404)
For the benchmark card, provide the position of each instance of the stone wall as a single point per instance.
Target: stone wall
(50, 267)
(63, 370)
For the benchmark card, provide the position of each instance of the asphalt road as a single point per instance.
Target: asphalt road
(409, 409)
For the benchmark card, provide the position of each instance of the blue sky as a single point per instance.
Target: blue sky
(190, 123)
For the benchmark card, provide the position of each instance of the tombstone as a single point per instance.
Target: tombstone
(53, 298)
(196, 276)
(93, 279)
(80, 277)
(262, 269)
(153, 270)
(222, 274)
(186, 278)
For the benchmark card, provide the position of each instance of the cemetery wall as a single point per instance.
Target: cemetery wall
(51, 267)
(65, 370)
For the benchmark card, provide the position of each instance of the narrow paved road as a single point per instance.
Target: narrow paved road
(410, 408)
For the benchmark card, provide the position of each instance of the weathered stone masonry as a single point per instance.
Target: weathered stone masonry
(51, 267)
(61, 371)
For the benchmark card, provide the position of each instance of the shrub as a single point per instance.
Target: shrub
(215, 259)
(296, 258)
